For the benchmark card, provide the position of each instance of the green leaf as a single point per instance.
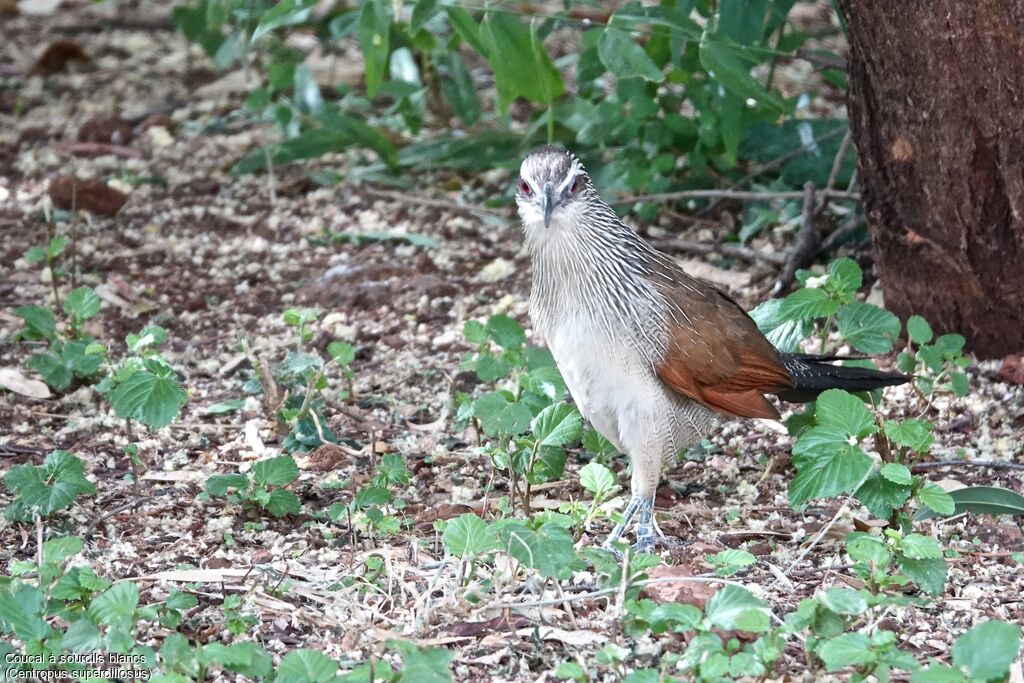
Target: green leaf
(742, 20)
(863, 547)
(558, 425)
(845, 601)
(724, 63)
(82, 636)
(728, 562)
(988, 650)
(624, 57)
(284, 13)
(458, 87)
(468, 535)
(506, 332)
(474, 331)
(218, 484)
(82, 304)
(882, 496)
(499, 416)
(845, 412)
(783, 333)
(248, 659)
(520, 63)
(808, 303)
(115, 604)
(361, 133)
(597, 479)
(675, 616)
(959, 383)
(152, 399)
(306, 666)
(832, 466)
(920, 547)
(423, 665)
(929, 574)
(278, 471)
(897, 474)
(845, 276)
(424, 11)
(282, 502)
(918, 329)
(40, 322)
(21, 609)
(933, 497)
(58, 550)
(938, 673)
(342, 352)
(464, 24)
(735, 608)
(549, 549)
(47, 488)
(374, 32)
(867, 328)
(849, 649)
(913, 434)
(984, 500)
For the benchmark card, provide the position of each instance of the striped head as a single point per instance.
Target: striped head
(553, 189)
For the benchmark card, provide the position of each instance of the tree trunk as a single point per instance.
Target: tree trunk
(936, 106)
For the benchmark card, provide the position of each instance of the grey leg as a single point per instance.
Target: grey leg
(644, 528)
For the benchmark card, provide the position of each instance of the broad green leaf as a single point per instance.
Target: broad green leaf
(499, 416)
(82, 636)
(845, 412)
(57, 550)
(277, 471)
(597, 479)
(218, 484)
(845, 276)
(283, 13)
(724, 62)
(735, 608)
(282, 502)
(361, 133)
(938, 673)
(868, 328)
(728, 562)
(82, 304)
(863, 547)
(674, 616)
(39, 322)
(306, 666)
(466, 27)
(468, 535)
(114, 604)
(374, 32)
(988, 650)
(423, 665)
(933, 497)
(520, 63)
(506, 332)
(808, 303)
(474, 331)
(918, 329)
(624, 57)
(914, 434)
(984, 500)
(559, 424)
(21, 610)
(424, 11)
(897, 474)
(881, 496)
(849, 649)
(248, 659)
(845, 601)
(831, 468)
(959, 383)
(920, 547)
(783, 333)
(549, 549)
(928, 574)
(742, 20)
(152, 399)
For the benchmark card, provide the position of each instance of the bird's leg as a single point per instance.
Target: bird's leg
(645, 527)
(627, 517)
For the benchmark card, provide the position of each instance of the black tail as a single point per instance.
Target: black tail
(814, 374)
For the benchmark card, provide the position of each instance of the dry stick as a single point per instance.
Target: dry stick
(732, 194)
(731, 250)
(993, 464)
(807, 241)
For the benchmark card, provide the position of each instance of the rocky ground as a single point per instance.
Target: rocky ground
(215, 259)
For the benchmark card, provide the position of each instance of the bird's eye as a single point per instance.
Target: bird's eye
(575, 186)
(524, 187)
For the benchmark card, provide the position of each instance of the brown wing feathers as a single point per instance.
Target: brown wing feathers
(716, 355)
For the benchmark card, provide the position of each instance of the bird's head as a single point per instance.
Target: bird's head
(553, 186)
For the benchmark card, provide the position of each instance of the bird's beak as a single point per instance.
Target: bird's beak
(548, 202)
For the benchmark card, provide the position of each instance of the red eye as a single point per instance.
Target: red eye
(524, 187)
(575, 186)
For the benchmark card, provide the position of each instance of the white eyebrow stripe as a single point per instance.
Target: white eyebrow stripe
(574, 170)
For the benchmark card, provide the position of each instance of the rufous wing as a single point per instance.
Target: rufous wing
(716, 355)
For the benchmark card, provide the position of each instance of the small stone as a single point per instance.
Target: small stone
(496, 270)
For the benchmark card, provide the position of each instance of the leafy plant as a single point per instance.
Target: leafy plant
(68, 358)
(370, 503)
(47, 488)
(265, 490)
(937, 363)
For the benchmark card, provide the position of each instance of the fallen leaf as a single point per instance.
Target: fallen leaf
(1013, 369)
(12, 380)
(56, 56)
(686, 592)
(85, 194)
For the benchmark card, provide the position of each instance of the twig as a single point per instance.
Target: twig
(807, 241)
(837, 167)
(134, 502)
(731, 250)
(433, 202)
(847, 228)
(992, 464)
(732, 194)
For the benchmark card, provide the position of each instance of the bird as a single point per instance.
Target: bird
(653, 357)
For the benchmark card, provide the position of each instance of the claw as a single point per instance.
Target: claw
(644, 529)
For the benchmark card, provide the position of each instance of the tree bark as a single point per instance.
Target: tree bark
(936, 107)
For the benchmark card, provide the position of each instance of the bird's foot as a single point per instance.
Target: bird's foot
(643, 509)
